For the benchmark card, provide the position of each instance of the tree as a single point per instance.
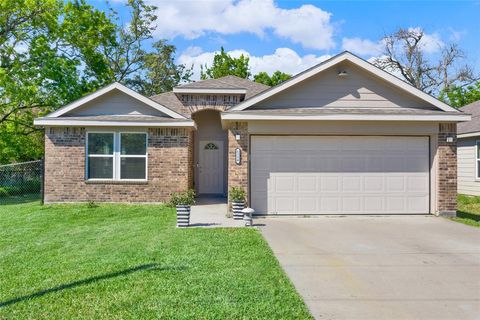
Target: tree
(159, 72)
(53, 52)
(49, 56)
(224, 65)
(460, 96)
(126, 56)
(404, 52)
(276, 78)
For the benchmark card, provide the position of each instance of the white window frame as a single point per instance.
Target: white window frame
(477, 159)
(88, 155)
(117, 156)
(120, 156)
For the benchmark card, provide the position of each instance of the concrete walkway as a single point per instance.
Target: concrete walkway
(392, 267)
(211, 212)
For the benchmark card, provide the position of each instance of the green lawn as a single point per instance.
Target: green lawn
(123, 262)
(468, 210)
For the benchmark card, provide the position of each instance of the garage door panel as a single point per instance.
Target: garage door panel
(418, 184)
(308, 205)
(307, 183)
(374, 184)
(395, 204)
(283, 183)
(416, 204)
(285, 204)
(330, 204)
(337, 175)
(395, 184)
(352, 204)
(374, 204)
(352, 184)
(330, 184)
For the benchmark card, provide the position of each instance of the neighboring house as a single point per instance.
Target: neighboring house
(343, 137)
(469, 151)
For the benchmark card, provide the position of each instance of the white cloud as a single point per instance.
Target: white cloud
(307, 25)
(362, 46)
(283, 59)
(430, 43)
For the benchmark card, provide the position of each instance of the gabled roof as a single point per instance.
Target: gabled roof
(344, 56)
(472, 126)
(115, 86)
(231, 84)
(171, 100)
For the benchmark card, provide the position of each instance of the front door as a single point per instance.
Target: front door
(210, 167)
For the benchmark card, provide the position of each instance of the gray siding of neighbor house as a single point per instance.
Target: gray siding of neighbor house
(356, 90)
(467, 182)
(115, 102)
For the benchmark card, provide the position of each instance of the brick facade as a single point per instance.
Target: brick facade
(169, 168)
(238, 174)
(447, 169)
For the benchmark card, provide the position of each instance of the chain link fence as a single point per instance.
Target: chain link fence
(21, 181)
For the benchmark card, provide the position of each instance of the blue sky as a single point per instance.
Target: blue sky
(294, 35)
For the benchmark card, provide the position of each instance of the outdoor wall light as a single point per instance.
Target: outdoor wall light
(342, 73)
(237, 136)
(449, 139)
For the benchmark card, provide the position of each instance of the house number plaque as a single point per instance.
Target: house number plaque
(238, 156)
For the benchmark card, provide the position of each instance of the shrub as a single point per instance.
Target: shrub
(236, 194)
(185, 198)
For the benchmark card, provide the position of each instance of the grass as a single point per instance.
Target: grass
(468, 210)
(126, 262)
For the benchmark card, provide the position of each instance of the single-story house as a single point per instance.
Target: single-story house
(343, 137)
(468, 136)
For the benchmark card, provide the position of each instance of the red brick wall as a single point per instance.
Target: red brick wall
(238, 174)
(169, 168)
(447, 169)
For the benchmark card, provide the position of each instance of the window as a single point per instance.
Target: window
(100, 155)
(133, 155)
(477, 159)
(116, 156)
(211, 146)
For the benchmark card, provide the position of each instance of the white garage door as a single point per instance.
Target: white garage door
(339, 175)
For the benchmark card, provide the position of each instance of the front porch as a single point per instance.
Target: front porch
(211, 211)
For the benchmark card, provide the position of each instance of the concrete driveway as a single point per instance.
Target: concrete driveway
(392, 267)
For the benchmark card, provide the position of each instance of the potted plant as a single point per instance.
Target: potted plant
(237, 197)
(182, 202)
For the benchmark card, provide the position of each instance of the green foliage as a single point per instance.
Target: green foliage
(276, 78)
(24, 187)
(460, 96)
(17, 146)
(160, 73)
(236, 194)
(53, 52)
(49, 55)
(224, 65)
(185, 198)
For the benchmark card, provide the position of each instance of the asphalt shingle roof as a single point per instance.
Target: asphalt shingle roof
(474, 124)
(171, 101)
(228, 82)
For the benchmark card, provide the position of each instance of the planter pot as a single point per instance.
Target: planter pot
(237, 207)
(183, 216)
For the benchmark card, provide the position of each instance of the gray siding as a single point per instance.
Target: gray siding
(467, 182)
(115, 102)
(358, 89)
